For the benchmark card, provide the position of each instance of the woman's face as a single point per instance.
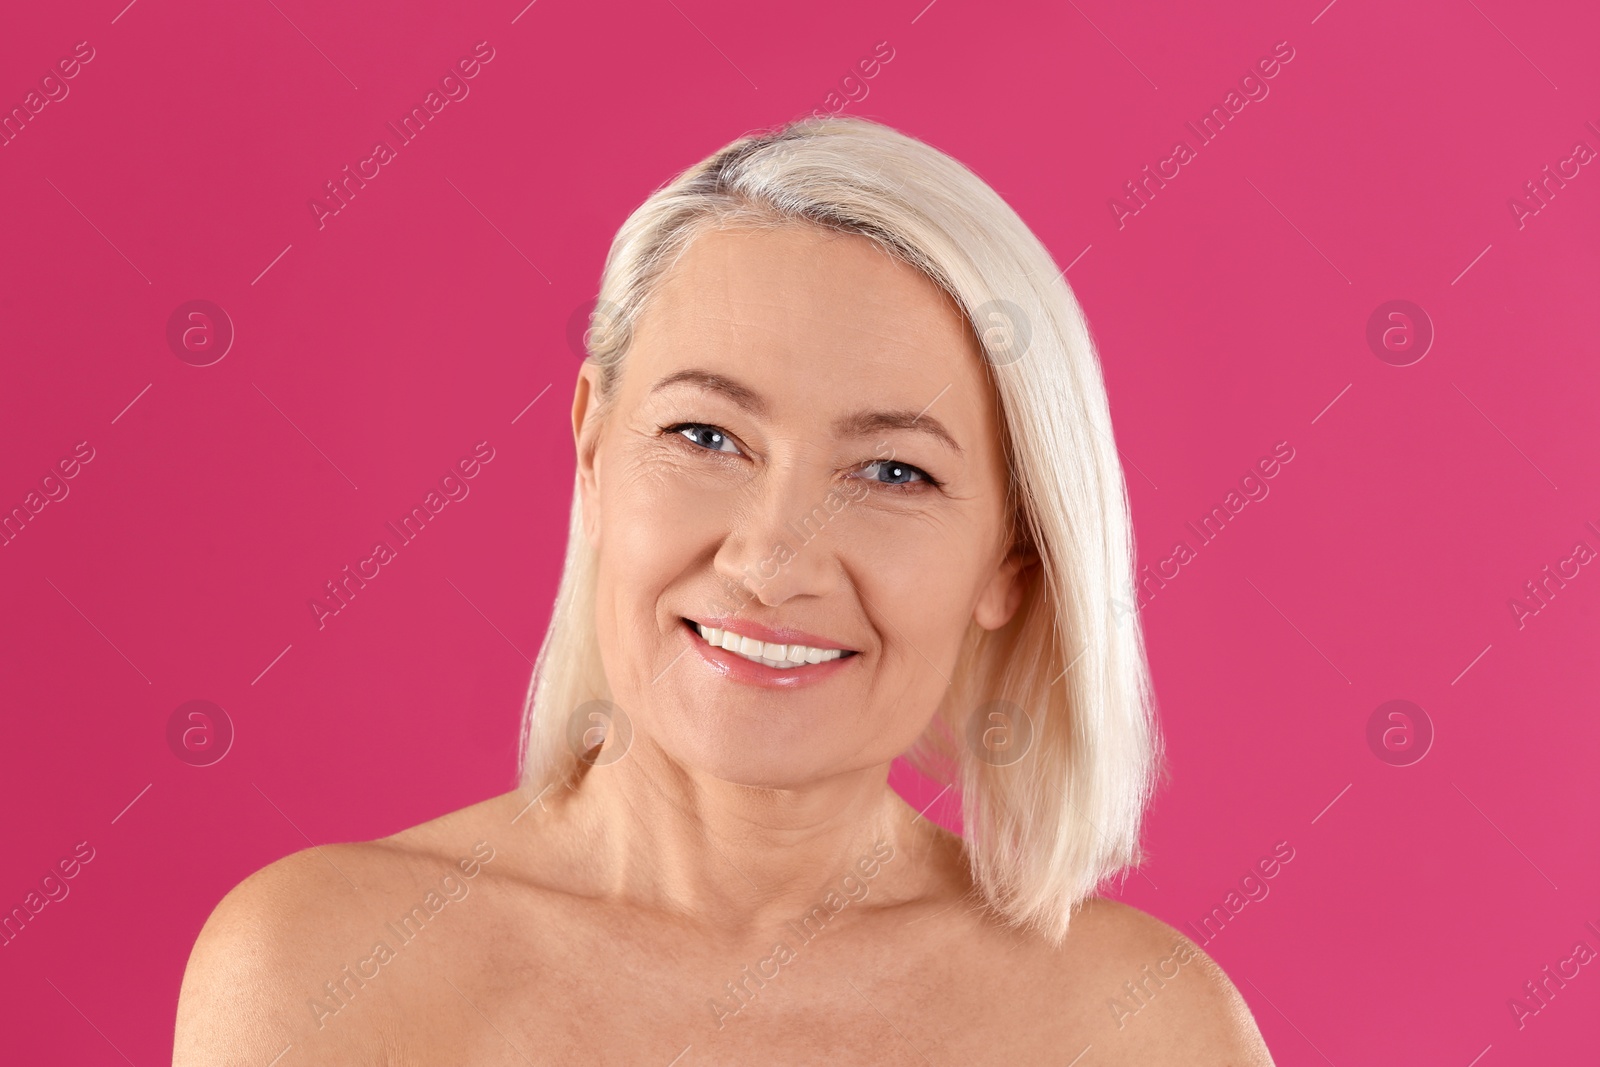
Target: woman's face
(804, 449)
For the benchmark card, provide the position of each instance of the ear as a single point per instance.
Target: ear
(586, 438)
(1002, 594)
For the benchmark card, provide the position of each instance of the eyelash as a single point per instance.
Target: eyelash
(676, 429)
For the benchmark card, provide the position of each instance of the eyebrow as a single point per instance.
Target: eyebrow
(857, 424)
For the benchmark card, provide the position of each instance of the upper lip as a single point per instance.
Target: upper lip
(781, 635)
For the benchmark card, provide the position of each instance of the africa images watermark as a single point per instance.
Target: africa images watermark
(54, 489)
(1253, 85)
(53, 89)
(1252, 487)
(1552, 978)
(338, 994)
(342, 590)
(1252, 887)
(1141, 993)
(1541, 590)
(453, 85)
(54, 888)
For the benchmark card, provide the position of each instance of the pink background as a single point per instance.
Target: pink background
(426, 316)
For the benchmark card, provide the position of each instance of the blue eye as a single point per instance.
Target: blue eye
(898, 474)
(706, 436)
(891, 474)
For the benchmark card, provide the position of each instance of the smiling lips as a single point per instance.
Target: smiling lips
(767, 653)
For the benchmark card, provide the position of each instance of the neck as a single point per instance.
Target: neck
(663, 837)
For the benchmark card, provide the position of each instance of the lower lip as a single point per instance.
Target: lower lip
(738, 669)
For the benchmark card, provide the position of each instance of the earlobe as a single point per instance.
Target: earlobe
(1003, 595)
(584, 435)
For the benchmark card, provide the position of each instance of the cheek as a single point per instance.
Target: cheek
(654, 525)
(918, 573)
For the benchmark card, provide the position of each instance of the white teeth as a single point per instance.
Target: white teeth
(781, 656)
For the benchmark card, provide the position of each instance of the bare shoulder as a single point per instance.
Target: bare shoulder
(285, 951)
(1153, 996)
(255, 963)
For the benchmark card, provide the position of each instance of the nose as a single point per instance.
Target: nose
(783, 535)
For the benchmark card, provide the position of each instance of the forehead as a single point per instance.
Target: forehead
(807, 311)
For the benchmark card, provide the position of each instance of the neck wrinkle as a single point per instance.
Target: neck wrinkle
(736, 858)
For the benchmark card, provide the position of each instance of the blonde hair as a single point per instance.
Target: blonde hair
(1043, 831)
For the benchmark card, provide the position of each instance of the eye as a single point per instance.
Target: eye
(708, 437)
(896, 475)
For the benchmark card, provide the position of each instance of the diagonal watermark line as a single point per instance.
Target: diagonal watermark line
(524, 11)
(1331, 803)
(1513, 44)
(309, 441)
(930, 804)
(935, 915)
(485, 1018)
(274, 263)
(923, 12)
(1299, 631)
(1480, 1055)
(1074, 263)
(498, 230)
(101, 232)
(131, 803)
(1124, 455)
(668, 667)
(90, 1021)
(693, 820)
(271, 665)
(1323, 12)
(1113, 44)
(681, 1055)
(99, 631)
(1502, 433)
(1502, 833)
(713, 44)
(132, 402)
(539, 800)
(1300, 232)
(1469, 666)
(1069, 666)
(934, 401)
(490, 621)
(302, 833)
(1332, 402)
(282, 1054)
(1286, 1019)
(1474, 263)
(886, 1019)
(532, 402)
(313, 44)
(907, 640)
(124, 11)
(1096, 827)
(1081, 1055)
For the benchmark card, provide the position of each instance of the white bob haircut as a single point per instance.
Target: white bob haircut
(1065, 681)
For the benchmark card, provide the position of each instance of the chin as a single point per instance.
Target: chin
(753, 751)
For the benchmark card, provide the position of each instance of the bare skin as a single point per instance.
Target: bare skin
(740, 884)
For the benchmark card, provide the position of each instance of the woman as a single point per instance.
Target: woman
(846, 490)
